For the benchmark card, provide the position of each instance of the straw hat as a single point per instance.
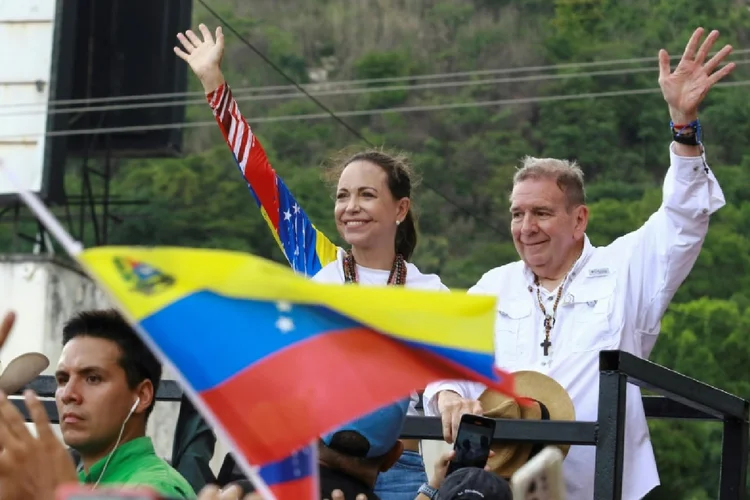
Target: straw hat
(21, 371)
(550, 401)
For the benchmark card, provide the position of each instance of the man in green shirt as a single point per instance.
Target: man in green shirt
(106, 386)
(136, 463)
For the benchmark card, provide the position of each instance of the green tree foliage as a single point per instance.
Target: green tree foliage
(467, 150)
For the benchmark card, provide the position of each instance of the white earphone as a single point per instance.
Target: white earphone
(135, 405)
(119, 437)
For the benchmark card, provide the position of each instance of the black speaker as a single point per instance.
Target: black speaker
(115, 48)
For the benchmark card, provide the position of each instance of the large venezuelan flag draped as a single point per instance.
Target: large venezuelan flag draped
(305, 247)
(277, 359)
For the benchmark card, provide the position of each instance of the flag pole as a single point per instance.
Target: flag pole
(47, 218)
(74, 249)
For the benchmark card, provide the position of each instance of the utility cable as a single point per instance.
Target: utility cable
(340, 92)
(366, 112)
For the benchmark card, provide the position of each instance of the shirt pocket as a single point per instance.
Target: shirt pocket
(512, 319)
(592, 311)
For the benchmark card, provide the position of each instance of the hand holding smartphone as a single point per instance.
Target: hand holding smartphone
(472, 444)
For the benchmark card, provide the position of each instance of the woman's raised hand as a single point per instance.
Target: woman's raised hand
(203, 56)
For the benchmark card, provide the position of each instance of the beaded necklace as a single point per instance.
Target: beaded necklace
(549, 319)
(397, 276)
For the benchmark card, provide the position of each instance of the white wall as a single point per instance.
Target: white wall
(44, 293)
(26, 37)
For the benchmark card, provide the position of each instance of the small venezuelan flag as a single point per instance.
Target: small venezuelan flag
(278, 360)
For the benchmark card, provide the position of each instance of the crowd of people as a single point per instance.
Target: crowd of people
(562, 303)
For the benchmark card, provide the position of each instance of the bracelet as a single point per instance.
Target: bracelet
(690, 134)
(427, 491)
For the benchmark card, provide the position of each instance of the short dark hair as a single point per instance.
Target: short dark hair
(137, 360)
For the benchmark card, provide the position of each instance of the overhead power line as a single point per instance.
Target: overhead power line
(341, 92)
(328, 113)
(367, 112)
(369, 81)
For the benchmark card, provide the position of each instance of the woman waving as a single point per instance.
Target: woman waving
(372, 211)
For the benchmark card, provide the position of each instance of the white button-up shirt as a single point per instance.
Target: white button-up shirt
(614, 298)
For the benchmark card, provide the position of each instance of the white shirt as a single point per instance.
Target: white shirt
(614, 298)
(334, 273)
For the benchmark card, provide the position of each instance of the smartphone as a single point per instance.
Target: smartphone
(472, 444)
(540, 478)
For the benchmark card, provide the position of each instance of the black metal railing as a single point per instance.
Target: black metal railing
(688, 398)
(679, 397)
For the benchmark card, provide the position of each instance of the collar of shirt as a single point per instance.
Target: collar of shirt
(120, 456)
(579, 263)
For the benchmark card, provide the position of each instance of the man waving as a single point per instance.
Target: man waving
(566, 300)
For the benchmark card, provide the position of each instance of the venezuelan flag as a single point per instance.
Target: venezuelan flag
(277, 359)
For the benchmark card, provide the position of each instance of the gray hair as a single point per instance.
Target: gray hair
(567, 174)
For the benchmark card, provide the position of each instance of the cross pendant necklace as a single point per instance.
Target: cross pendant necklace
(549, 319)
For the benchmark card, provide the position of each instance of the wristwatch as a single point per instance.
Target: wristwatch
(689, 134)
(428, 491)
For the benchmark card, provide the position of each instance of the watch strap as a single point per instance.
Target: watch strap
(428, 491)
(689, 134)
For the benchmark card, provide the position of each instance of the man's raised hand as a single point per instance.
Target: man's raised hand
(686, 87)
